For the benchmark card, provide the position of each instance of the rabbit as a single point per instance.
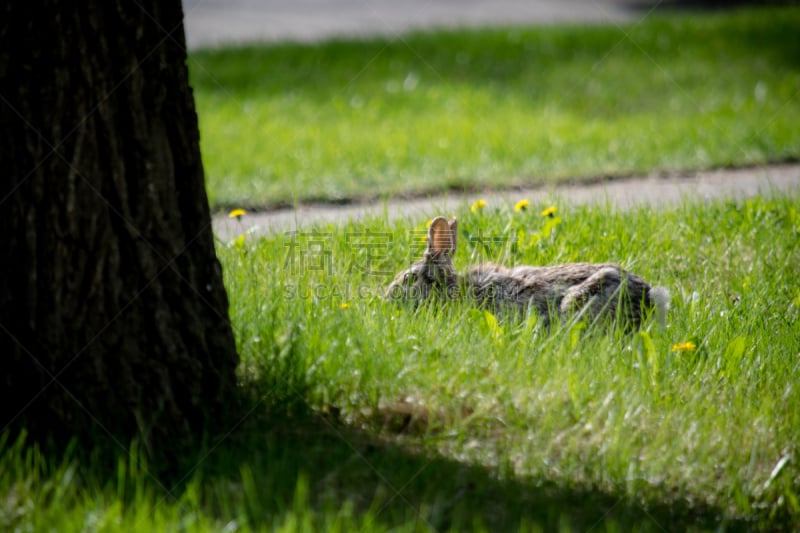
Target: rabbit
(592, 290)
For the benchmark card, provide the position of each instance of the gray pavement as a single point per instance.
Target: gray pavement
(211, 22)
(655, 191)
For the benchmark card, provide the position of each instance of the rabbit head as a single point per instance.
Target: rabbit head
(435, 273)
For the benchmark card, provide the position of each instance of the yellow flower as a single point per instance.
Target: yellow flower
(477, 206)
(550, 211)
(344, 305)
(687, 346)
(522, 205)
(236, 213)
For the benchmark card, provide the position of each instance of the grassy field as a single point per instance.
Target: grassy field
(362, 415)
(496, 108)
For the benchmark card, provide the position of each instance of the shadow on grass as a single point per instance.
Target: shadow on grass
(271, 462)
(277, 464)
(390, 484)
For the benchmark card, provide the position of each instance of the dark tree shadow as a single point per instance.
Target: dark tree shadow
(263, 450)
(401, 484)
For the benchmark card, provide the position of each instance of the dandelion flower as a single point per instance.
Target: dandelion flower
(549, 212)
(477, 206)
(686, 346)
(522, 205)
(344, 305)
(237, 213)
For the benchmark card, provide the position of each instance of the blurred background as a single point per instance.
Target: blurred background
(351, 100)
(210, 22)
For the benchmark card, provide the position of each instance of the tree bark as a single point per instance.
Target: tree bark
(113, 316)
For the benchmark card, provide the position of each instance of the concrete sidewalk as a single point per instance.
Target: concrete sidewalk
(213, 22)
(655, 191)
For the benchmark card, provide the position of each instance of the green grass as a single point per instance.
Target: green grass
(373, 417)
(497, 108)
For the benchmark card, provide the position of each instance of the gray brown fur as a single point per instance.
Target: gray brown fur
(596, 291)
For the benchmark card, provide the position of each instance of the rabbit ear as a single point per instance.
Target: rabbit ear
(453, 232)
(441, 239)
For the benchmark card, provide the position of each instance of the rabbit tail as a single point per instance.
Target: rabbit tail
(659, 297)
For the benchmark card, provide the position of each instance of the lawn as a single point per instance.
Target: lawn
(366, 415)
(468, 109)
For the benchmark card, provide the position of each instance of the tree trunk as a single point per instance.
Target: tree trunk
(113, 316)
